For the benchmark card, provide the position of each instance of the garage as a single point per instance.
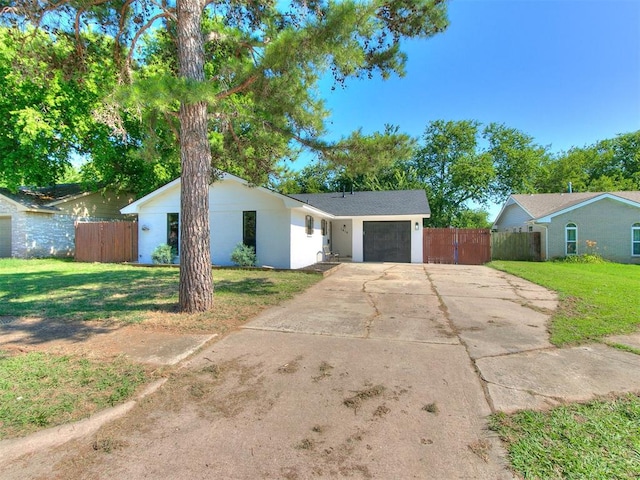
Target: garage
(5, 237)
(388, 241)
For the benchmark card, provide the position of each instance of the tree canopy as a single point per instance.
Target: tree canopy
(608, 165)
(239, 80)
(461, 165)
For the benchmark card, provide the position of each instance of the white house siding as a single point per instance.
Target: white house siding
(607, 222)
(513, 218)
(152, 222)
(305, 249)
(227, 202)
(341, 237)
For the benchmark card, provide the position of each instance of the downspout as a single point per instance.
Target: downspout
(546, 241)
(546, 238)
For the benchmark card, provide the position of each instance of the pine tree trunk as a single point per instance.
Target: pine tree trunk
(196, 282)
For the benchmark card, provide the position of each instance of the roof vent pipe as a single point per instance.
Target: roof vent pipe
(570, 188)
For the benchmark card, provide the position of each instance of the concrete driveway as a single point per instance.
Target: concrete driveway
(379, 371)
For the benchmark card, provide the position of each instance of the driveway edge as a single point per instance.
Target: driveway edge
(14, 448)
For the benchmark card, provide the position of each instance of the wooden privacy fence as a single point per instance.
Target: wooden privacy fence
(463, 246)
(516, 246)
(107, 242)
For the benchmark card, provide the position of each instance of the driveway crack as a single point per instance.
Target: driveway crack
(445, 311)
(372, 301)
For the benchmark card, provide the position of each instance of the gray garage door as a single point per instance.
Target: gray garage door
(387, 242)
(5, 237)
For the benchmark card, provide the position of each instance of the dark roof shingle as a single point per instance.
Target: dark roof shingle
(41, 198)
(358, 204)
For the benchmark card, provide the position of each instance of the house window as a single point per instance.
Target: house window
(249, 229)
(323, 225)
(571, 238)
(635, 239)
(173, 231)
(309, 224)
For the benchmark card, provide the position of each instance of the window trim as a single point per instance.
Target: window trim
(308, 221)
(324, 227)
(571, 226)
(635, 228)
(245, 218)
(174, 245)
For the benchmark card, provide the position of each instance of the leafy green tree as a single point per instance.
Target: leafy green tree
(517, 160)
(451, 169)
(456, 172)
(262, 94)
(51, 111)
(472, 218)
(45, 108)
(607, 165)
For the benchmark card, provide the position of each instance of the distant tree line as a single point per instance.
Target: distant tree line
(462, 163)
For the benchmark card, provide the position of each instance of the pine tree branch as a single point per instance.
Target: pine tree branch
(139, 33)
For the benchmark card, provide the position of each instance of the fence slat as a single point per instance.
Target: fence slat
(465, 246)
(516, 246)
(106, 242)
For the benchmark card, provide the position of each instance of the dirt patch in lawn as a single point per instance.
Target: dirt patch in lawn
(160, 335)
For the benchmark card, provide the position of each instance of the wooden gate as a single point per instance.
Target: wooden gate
(107, 242)
(460, 246)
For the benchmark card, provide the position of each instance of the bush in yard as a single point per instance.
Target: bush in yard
(163, 254)
(590, 256)
(243, 255)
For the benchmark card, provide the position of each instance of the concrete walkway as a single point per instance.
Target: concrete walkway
(378, 371)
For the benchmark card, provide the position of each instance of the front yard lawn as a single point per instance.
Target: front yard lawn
(58, 289)
(599, 439)
(596, 300)
(40, 389)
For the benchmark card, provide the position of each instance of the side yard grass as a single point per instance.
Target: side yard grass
(39, 389)
(596, 300)
(598, 439)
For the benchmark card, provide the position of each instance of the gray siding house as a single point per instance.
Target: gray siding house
(41, 222)
(607, 223)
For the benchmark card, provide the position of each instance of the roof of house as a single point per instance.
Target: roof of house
(43, 198)
(543, 204)
(357, 204)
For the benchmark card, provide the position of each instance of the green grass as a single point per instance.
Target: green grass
(600, 439)
(38, 390)
(596, 300)
(59, 289)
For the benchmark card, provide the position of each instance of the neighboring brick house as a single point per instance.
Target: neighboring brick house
(41, 222)
(607, 223)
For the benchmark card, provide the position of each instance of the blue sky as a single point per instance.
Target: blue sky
(566, 72)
